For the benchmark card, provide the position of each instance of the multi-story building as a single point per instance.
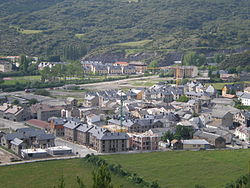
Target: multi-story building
(144, 141)
(5, 66)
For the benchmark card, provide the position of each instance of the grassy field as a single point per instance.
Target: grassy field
(184, 169)
(21, 79)
(80, 35)
(28, 32)
(134, 44)
(47, 174)
(219, 86)
(181, 169)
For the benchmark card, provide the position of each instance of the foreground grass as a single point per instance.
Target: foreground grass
(181, 169)
(184, 169)
(47, 174)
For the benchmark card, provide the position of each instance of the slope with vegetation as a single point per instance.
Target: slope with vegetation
(37, 27)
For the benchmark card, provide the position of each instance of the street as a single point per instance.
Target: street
(80, 150)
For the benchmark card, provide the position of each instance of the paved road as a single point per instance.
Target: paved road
(76, 148)
(7, 124)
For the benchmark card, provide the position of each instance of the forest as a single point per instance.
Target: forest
(44, 28)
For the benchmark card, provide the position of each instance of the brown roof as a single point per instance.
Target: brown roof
(38, 123)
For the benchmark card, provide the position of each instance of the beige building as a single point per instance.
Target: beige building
(5, 66)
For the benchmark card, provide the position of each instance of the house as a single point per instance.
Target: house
(144, 141)
(17, 113)
(115, 70)
(140, 67)
(243, 133)
(70, 130)
(5, 66)
(91, 100)
(33, 153)
(44, 111)
(70, 111)
(121, 63)
(17, 145)
(245, 99)
(195, 144)
(243, 118)
(231, 89)
(176, 144)
(228, 77)
(31, 137)
(82, 134)
(222, 118)
(93, 118)
(128, 70)
(216, 140)
(104, 141)
(38, 124)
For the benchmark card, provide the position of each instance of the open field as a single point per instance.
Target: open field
(80, 35)
(220, 85)
(47, 174)
(184, 169)
(28, 32)
(178, 169)
(20, 79)
(134, 44)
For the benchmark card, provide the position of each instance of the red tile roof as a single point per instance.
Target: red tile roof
(38, 123)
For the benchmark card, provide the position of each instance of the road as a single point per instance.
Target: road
(80, 150)
(7, 124)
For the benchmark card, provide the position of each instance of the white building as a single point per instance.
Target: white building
(242, 133)
(245, 99)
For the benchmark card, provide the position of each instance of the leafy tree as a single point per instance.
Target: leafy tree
(24, 63)
(42, 92)
(154, 184)
(16, 102)
(102, 177)
(183, 98)
(192, 58)
(79, 182)
(184, 132)
(33, 101)
(168, 136)
(61, 183)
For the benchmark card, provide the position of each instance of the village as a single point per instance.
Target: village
(169, 115)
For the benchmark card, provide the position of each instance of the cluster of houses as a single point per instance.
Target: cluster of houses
(136, 119)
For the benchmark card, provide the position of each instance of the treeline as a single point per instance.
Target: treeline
(118, 170)
(72, 52)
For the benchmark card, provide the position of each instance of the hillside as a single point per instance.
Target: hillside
(171, 169)
(129, 26)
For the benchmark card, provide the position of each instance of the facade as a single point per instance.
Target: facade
(195, 144)
(216, 140)
(144, 141)
(5, 66)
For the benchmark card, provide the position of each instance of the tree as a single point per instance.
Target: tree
(24, 63)
(16, 102)
(184, 132)
(102, 177)
(42, 92)
(33, 101)
(183, 98)
(168, 137)
(153, 65)
(192, 58)
(79, 182)
(154, 184)
(61, 183)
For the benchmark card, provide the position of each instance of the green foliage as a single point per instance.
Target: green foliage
(118, 170)
(16, 102)
(42, 92)
(183, 98)
(184, 132)
(168, 136)
(33, 101)
(203, 26)
(232, 62)
(192, 58)
(102, 177)
(61, 183)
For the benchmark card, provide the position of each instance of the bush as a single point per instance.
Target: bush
(42, 92)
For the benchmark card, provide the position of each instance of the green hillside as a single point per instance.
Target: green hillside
(183, 169)
(44, 27)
